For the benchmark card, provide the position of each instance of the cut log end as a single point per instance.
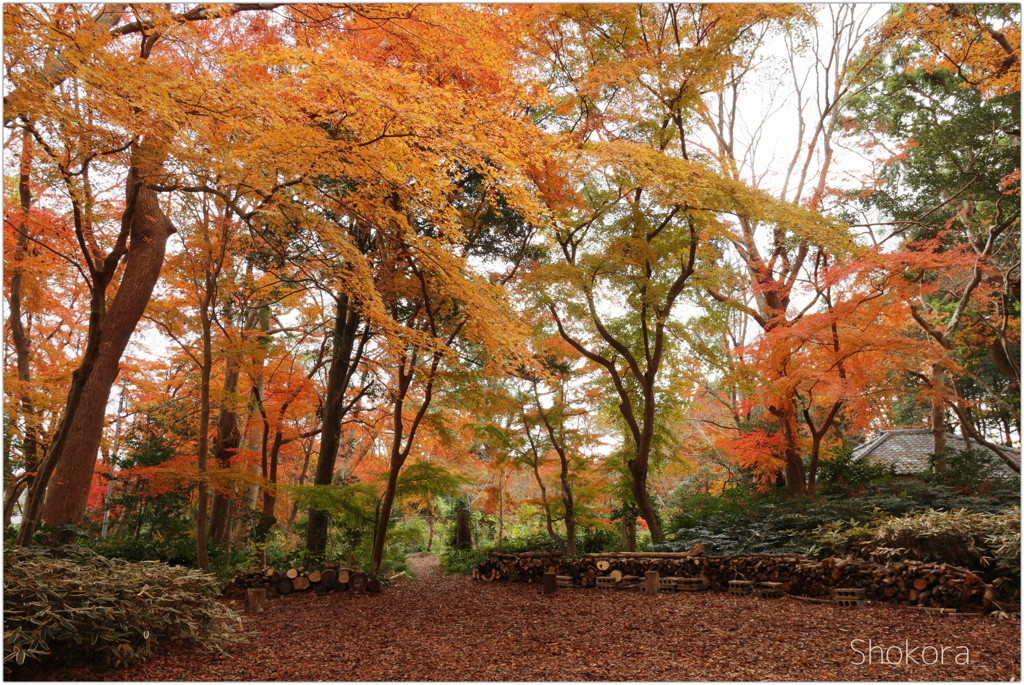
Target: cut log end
(255, 600)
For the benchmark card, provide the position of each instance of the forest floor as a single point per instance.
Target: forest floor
(439, 628)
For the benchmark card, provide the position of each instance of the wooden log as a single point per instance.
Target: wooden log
(616, 575)
(255, 600)
(651, 578)
(314, 576)
(328, 578)
(292, 573)
(645, 555)
(357, 581)
(301, 583)
(373, 585)
(550, 583)
(920, 584)
(344, 575)
(285, 587)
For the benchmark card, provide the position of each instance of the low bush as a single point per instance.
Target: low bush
(972, 470)
(462, 562)
(979, 541)
(744, 521)
(71, 605)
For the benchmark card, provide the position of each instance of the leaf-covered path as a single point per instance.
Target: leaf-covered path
(439, 628)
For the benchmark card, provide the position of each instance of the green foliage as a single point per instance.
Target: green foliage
(353, 509)
(969, 539)
(744, 521)
(462, 562)
(590, 540)
(842, 473)
(974, 469)
(177, 551)
(71, 605)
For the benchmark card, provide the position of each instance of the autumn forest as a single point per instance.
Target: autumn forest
(290, 282)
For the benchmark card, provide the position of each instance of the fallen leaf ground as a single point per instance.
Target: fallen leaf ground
(438, 628)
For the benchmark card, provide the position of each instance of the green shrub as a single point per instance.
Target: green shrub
(964, 538)
(462, 562)
(71, 605)
(842, 473)
(743, 521)
(971, 470)
(590, 540)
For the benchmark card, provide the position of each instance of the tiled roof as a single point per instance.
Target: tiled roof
(908, 450)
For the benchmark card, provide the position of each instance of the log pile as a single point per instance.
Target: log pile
(910, 583)
(331, 578)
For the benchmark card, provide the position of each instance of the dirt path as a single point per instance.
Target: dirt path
(440, 628)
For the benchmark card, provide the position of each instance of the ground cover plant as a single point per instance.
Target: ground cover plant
(70, 605)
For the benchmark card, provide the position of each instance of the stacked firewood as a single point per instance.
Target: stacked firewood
(907, 583)
(331, 578)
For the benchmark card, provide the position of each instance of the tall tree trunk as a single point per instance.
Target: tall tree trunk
(307, 452)
(569, 547)
(501, 505)
(224, 447)
(346, 355)
(72, 456)
(638, 486)
(629, 531)
(938, 414)
(202, 448)
(267, 518)
(544, 499)
(570, 514)
(401, 442)
(384, 516)
(243, 523)
(796, 478)
(22, 344)
(463, 532)
(228, 438)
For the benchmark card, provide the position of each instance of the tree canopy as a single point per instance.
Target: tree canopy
(346, 262)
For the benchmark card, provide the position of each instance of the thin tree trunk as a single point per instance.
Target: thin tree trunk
(228, 438)
(563, 458)
(547, 509)
(224, 447)
(267, 518)
(501, 505)
(22, 343)
(430, 534)
(629, 531)
(938, 414)
(345, 358)
(307, 453)
(535, 463)
(400, 452)
(204, 421)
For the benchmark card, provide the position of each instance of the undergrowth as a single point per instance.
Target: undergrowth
(71, 605)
